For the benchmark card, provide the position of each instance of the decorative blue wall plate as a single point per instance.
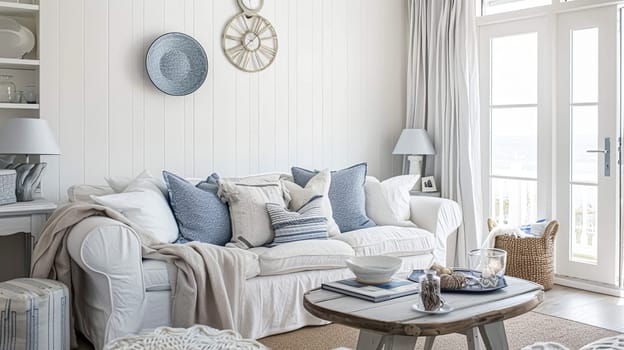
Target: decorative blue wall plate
(176, 64)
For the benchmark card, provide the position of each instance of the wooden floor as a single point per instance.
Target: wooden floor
(586, 307)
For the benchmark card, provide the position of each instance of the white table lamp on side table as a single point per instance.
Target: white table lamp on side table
(414, 143)
(27, 136)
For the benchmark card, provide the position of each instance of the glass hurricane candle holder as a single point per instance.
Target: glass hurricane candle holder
(488, 264)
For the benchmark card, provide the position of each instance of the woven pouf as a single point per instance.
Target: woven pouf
(193, 338)
(34, 314)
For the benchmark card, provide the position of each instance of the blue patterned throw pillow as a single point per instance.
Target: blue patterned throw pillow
(346, 195)
(200, 214)
(306, 223)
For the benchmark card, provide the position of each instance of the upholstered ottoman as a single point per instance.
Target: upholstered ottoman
(34, 314)
(193, 338)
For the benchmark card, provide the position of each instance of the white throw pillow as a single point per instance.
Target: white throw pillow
(251, 224)
(387, 202)
(83, 193)
(144, 180)
(317, 186)
(146, 209)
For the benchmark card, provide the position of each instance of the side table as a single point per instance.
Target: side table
(425, 194)
(22, 218)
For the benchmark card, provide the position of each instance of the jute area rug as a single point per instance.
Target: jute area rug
(521, 331)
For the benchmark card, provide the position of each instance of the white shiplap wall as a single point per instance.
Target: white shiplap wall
(334, 96)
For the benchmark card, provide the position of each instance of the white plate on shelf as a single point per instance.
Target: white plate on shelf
(16, 39)
(445, 309)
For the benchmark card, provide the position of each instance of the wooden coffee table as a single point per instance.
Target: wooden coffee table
(394, 325)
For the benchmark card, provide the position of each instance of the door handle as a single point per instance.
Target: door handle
(607, 153)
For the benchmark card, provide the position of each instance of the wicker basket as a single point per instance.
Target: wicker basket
(530, 258)
(7, 186)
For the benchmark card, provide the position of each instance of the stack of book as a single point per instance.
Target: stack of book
(373, 292)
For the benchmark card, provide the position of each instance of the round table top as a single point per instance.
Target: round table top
(397, 317)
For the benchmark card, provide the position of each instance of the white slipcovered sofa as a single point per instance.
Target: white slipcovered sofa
(122, 294)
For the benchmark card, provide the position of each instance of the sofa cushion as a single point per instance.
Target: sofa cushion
(147, 209)
(144, 180)
(302, 256)
(200, 213)
(251, 225)
(155, 275)
(388, 201)
(389, 240)
(304, 224)
(346, 194)
(317, 186)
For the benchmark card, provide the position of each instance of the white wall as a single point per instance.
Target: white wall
(334, 95)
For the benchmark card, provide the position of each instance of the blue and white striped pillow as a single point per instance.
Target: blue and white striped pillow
(306, 223)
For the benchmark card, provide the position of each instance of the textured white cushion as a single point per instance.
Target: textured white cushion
(389, 240)
(83, 193)
(146, 209)
(251, 225)
(144, 180)
(317, 186)
(388, 202)
(303, 256)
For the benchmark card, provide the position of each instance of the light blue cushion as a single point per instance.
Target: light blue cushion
(200, 214)
(346, 194)
(306, 223)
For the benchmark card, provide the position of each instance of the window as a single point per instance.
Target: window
(584, 136)
(513, 128)
(490, 7)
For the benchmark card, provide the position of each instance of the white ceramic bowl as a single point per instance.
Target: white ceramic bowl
(374, 269)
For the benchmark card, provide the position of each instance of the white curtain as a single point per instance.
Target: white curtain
(442, 97)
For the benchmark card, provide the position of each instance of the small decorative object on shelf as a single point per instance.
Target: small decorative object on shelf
(30, 94)
(428, 184)
(8, 93)
(7, 186)
(430, 294)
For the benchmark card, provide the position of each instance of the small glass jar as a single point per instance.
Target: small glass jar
(8, 93)
(30, 94)
(430, 294)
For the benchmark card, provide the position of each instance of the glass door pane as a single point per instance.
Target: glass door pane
(587, 196)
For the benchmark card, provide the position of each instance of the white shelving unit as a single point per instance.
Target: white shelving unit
(19, 63)
(18, 9)
(24, 70)
(19, 106)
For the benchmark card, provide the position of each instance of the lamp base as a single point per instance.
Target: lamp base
(415, 168)
(28, 179)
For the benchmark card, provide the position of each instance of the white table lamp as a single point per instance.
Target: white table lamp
(414, 143)
(27, 136)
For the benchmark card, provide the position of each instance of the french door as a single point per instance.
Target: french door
(587, 124)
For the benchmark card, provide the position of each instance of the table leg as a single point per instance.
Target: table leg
(369, 340)
(375, 341)
(429, 342)
(398, 342)
(494, 336)
(472, 339)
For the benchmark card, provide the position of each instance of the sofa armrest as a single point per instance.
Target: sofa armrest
(439, 216)
(111, 297)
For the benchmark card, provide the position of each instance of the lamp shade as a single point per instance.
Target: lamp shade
(27, 136)
(414, 141)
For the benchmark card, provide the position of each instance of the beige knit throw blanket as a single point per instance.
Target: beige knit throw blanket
(210, 282)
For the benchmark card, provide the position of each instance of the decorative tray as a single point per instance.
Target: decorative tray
(469, 288)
